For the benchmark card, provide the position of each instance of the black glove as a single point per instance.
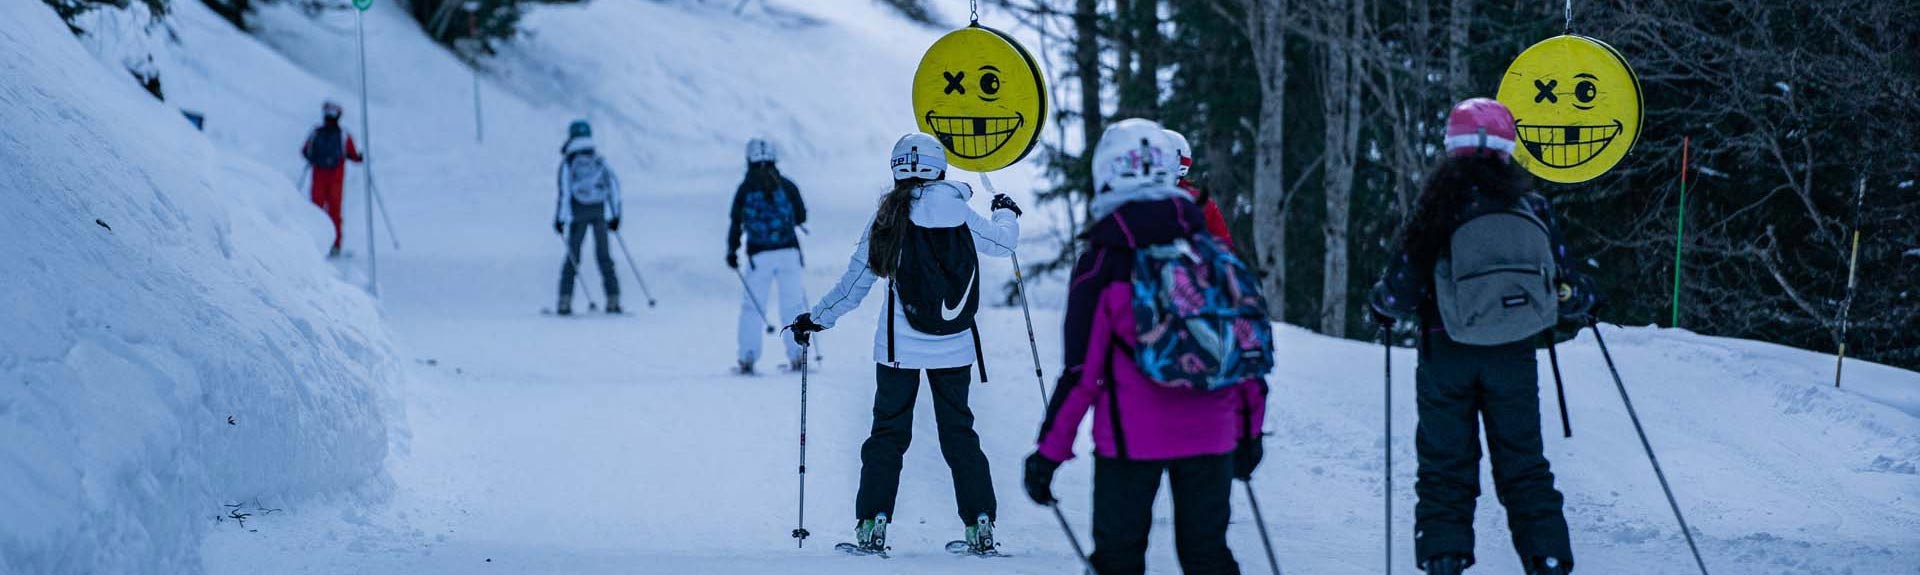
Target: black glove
(1246, 457)
(1002, 202)
(803, 328)
(613, 225)
(559, 228)
(1376, 304)
(733, 260)
(1039, 477)
(1577, 299)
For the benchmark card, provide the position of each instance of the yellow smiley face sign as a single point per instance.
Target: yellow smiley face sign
(1576, 107)
(979, 92)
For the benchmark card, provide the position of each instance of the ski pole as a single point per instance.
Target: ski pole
(754, 298)
(1386, 341)
(574, 260)
(633, 268)
(1671, 502)
(1020, 283)
(374, 191)
(298, 185)
(1560, 389)
(800, 533)
(1078, 553)
(1261, 522)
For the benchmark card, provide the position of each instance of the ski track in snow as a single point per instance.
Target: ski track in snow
(536, 444)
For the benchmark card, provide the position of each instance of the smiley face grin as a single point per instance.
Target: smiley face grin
(1567, 146)
(974, 138)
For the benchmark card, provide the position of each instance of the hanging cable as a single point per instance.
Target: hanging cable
(973, 7)
(1569, 17)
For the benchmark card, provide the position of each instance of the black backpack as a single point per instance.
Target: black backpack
(937, 284)
(326, 148)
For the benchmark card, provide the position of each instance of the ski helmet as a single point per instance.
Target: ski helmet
(1480, 125)
(761, 150)
(579, 129)
(331, 110)
(1181, 149)
(918, 155)
(1132, 153)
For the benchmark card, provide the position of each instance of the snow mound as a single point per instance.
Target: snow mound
(173, 345)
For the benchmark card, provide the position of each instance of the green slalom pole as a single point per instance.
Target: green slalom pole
(1679, 236)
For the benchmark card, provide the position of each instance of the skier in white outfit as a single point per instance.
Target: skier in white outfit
(924, 240)
(766, 210)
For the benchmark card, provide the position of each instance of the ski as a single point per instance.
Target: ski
(964, 549)
(547, 311)
(858, 551)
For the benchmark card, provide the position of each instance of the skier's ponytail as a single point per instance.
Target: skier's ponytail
(763, 176)
(889, 229)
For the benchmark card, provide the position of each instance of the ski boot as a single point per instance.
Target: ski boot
(743, 368)
(1447, 564)
(979, 541)
(870, 537)
(1547, 566)
(613, 303)
(333, 253)
(566, 305)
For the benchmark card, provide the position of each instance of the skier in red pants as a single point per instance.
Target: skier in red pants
(327, 150)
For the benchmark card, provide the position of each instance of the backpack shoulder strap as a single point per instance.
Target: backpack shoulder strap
(890, 297)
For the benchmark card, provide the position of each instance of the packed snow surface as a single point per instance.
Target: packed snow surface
(621, 444)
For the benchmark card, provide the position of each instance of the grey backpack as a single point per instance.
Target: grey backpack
(1495, 285)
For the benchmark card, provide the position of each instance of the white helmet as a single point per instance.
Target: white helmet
(1133, 153)
(761, 150)
(918, 155)
(1182, 151)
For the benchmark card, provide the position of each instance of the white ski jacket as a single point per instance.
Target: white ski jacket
(585, 181)
(936, 204)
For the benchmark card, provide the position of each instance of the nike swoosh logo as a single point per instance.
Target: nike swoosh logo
(950, 314)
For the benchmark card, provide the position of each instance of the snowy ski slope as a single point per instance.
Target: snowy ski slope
(620, 445)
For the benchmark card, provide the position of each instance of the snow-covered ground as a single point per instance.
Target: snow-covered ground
(168, 346)
(535, 444)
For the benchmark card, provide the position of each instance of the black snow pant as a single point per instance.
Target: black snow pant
(1123, 493)
(577, 233)
(1459, 388)
(881, 455)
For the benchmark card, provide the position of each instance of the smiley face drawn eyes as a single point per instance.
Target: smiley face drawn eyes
(989, 83)
(955, 82)
(1585, 91)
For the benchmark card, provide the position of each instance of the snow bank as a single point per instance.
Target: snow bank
(172, 342)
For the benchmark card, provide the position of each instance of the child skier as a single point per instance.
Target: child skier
(589, 200)
(1142, 428)
(1216, 222)
(923, 240)
(766, 208)
(1478, 245)
(327, 151)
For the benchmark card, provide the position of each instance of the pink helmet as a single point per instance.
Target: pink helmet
(1480, 125)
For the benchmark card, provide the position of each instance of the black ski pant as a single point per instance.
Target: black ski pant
(1461, 387)
(881, 455)
(576, 234)
(1123, 493)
